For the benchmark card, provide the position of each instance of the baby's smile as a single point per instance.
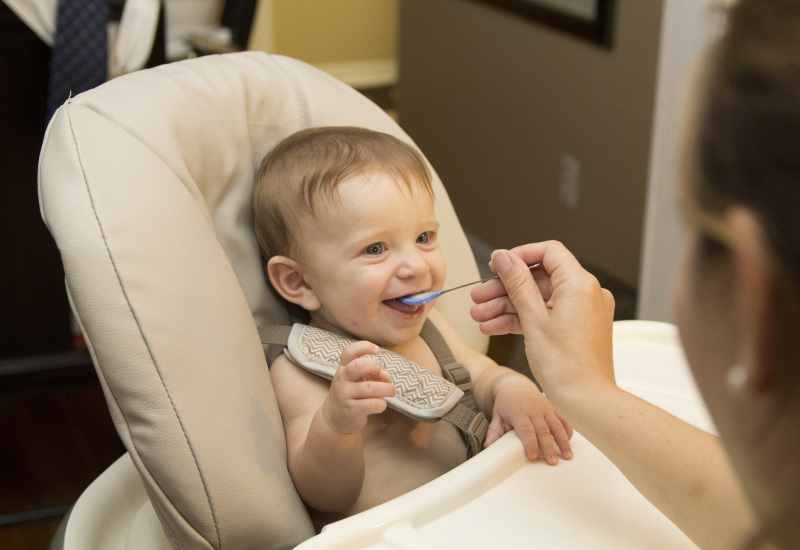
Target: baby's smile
(395, 303)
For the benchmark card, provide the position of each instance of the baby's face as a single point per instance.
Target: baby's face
(379, 242)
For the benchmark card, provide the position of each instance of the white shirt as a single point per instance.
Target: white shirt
(130, 43)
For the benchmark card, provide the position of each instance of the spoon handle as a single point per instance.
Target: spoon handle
(532, 266)
(425, 297)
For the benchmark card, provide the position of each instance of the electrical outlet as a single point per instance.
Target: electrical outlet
(569, 182)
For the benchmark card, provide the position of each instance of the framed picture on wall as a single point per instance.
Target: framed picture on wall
(587, 19)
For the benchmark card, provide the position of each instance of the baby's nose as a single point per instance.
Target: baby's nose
(413, 265)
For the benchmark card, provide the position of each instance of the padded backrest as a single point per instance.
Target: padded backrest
(145, 183)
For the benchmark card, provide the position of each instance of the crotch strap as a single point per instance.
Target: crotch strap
(420, 394)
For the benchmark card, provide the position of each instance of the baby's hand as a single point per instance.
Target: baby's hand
(521, 406)
(357, 389)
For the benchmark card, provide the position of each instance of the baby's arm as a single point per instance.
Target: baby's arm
(323, 424)
(511, 400)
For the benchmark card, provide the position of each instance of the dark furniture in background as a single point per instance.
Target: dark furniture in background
(56, 434)
(34, 314)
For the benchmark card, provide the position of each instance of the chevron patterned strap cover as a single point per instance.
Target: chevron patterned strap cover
(420, 393)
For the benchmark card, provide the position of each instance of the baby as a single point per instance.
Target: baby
(346, 219)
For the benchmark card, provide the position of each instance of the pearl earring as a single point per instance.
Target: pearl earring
(737, 378)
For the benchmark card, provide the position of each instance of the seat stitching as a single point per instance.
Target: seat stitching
(136, 320)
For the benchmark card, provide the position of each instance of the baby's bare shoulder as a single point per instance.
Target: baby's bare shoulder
(296, 389)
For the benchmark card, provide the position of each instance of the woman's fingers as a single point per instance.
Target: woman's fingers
(497, 316)
(524, 296)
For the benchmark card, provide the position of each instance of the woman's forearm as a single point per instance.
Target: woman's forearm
(667, 460)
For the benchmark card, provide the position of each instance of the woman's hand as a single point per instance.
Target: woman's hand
(564, 314)
(567, 322)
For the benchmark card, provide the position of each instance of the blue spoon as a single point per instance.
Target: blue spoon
(425, 297)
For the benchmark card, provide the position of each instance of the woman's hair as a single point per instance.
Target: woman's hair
(747, 148)
(746, 152)
(304, 169)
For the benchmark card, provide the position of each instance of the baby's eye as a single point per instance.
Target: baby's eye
(423, 238)
(374, 249)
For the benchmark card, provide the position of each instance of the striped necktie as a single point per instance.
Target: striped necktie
(78, 59)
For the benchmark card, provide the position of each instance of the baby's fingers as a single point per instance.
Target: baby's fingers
(358, 349)
(526, 432)
(562, 433)
(496, 429)
(364, 368)
(544, 437)
(358, 362)
(368, 389)
(567, 425)
(366, 379)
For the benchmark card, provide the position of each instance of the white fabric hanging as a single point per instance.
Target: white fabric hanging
(129, 49)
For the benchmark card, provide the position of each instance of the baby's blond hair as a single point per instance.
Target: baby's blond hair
(306, 168)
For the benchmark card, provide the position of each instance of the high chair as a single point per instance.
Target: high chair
(145, 184)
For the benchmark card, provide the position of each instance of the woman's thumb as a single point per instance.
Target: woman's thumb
(518, 281)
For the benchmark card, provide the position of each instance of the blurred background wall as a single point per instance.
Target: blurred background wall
(506, 109)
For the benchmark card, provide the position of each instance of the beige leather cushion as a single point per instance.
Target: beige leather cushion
(145, 184)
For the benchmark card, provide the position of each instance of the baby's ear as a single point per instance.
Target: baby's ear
(286, 276)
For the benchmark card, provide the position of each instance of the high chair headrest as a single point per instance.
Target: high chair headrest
(145, 184)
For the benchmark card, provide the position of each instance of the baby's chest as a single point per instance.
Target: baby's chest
(395, 432)
(401, 454)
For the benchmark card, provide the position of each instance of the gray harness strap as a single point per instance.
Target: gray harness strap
(274, 334)
(465, 415)
(454, 371)
(413, 382)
